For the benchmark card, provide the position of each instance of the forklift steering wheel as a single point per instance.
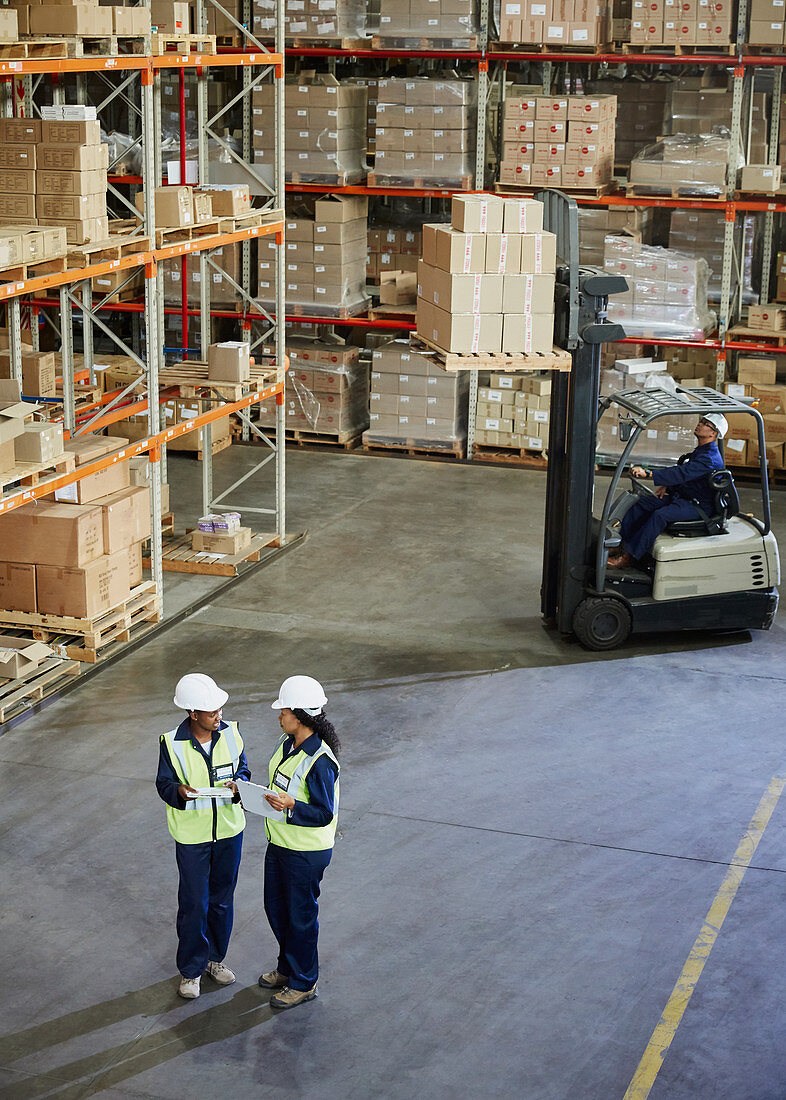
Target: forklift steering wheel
(640, 486)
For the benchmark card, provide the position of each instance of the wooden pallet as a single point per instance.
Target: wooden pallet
(653, 191)
(20, 272)
(217, 446)
(493, 453)
(328, 179)
(18, 695)
(192, 377)
(99, 252)
(30, 474)
(395, 313)
(590, 50)
(470, 42)
(332, 43)
(327, 314)
(177, 234)
(681, 49)
(183, 43)
(447, 450)
(762, 51)
(180, 557)
(447, 183)
(574, 192)
(83, 639)
(347, 440)
(746, 333)
(33, 49)
(556, 359)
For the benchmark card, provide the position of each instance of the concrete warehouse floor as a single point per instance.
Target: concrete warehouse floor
(530, 839)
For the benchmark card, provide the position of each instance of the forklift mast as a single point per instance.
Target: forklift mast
(581, 327)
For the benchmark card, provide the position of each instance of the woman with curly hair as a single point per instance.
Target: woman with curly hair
(303, 772)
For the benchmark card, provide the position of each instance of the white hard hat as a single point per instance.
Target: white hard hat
(301, 693)
(719, 421)
(196, 691)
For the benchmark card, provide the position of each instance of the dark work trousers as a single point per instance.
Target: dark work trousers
(291, 894)
(208, 874)
(648, 517)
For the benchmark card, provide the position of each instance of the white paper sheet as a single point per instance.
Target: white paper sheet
(252, 795)
(212, 792)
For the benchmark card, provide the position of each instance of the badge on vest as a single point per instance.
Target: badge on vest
(221, 773)
(281, 781)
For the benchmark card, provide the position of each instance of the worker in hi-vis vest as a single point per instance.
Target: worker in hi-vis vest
(303, 772)
(202, 754)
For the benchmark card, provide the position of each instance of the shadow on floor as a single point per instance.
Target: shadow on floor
(109, 1068)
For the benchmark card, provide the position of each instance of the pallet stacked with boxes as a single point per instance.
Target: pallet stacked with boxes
(597, 223)
(558, 141)
(427, 24)
(681, 22)
(572, 24)
(320, 20)
(392, 249)
(414, 405)
(325, 259)
(327, 391)
(425, 133)
(513, 413)
(486, 282)
(757, 378)
(642, 109)
(80, 19)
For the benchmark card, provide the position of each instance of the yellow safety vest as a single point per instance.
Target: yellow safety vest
(205, 819)
(300, 838)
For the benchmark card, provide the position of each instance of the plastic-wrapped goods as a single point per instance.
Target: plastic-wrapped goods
(665, 440)
(325, 259)
(414, 402)
(688, 164)
(311, 19)
(325, 122)
(701, 233)
(569, 23)
(558, 141)
(596, 223)
(425, 132)
(667, 291)
(441, 22)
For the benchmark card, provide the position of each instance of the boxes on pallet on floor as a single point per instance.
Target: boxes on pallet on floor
(210, 542)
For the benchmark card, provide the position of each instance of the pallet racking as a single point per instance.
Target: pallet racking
(136, 81)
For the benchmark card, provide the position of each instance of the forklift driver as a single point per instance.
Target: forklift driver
(679, 494)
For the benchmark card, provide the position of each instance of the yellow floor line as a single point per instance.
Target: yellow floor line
(652, 1059)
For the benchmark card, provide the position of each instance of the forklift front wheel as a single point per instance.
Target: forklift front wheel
(602, 622)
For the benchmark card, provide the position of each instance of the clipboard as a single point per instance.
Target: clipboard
(252, 797)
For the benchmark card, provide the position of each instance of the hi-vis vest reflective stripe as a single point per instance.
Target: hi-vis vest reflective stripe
(194, 824)
(300, 838)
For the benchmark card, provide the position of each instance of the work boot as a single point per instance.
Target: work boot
(189, 988)
(288, 998)
(220, 973)
(274, 979)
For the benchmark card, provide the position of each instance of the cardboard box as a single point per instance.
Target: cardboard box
(83, 591)
(768, 316)
(38, 372)
(229, 361)
(174, 206)
(477, 213)
(527, 333)
(461, 332)
(538, 253)
(19, 207)
(461, 253)
(171, 16)
(18, 156)
(39, 442)
(71, 207)
(757, 370)
(73, 132)
(48, 533)
(131, 22)
(503, 253)
(459, 293)
(126, 517)
(522, 216)
(210, 543)
(17, 587)
(20, 131)
(229, 199)
(341, 208)
(77, 19)
(55, 182)
(74, 158)
(527, 294)
(20, 655)
(760, 177)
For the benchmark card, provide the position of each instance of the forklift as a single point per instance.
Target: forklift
(717, 573)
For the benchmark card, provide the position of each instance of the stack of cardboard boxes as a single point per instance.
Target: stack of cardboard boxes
(486, 282)
(414, 402)
(392, 249)
(667, 291)
(688, 22)
(701, 233)
(80, 18)
(425, 132)
(79, 554)
(666, 439)
(595, 224)
(325, 259)
(222, 292)
(316, 19)
(569, 23)
(642, 106)
(435, 20)
(326, 122)
(513, 411)
(757, 378)
(53, 173)
(326, 390)
(22, 440)
(558, 141)
(767, 23)
(38, 371)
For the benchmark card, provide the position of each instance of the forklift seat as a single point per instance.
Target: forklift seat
(726, 503)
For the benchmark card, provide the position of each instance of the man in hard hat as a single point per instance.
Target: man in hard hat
(680, 491)
(203, 752)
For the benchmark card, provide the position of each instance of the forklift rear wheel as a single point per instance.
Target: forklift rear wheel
(601, 622)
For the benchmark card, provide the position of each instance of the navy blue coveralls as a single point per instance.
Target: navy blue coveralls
(292, 878)
(645, 519)
(208, 872)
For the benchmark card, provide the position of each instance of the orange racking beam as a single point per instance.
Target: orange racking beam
(138, 63)
(136, 259)
(153, 444)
